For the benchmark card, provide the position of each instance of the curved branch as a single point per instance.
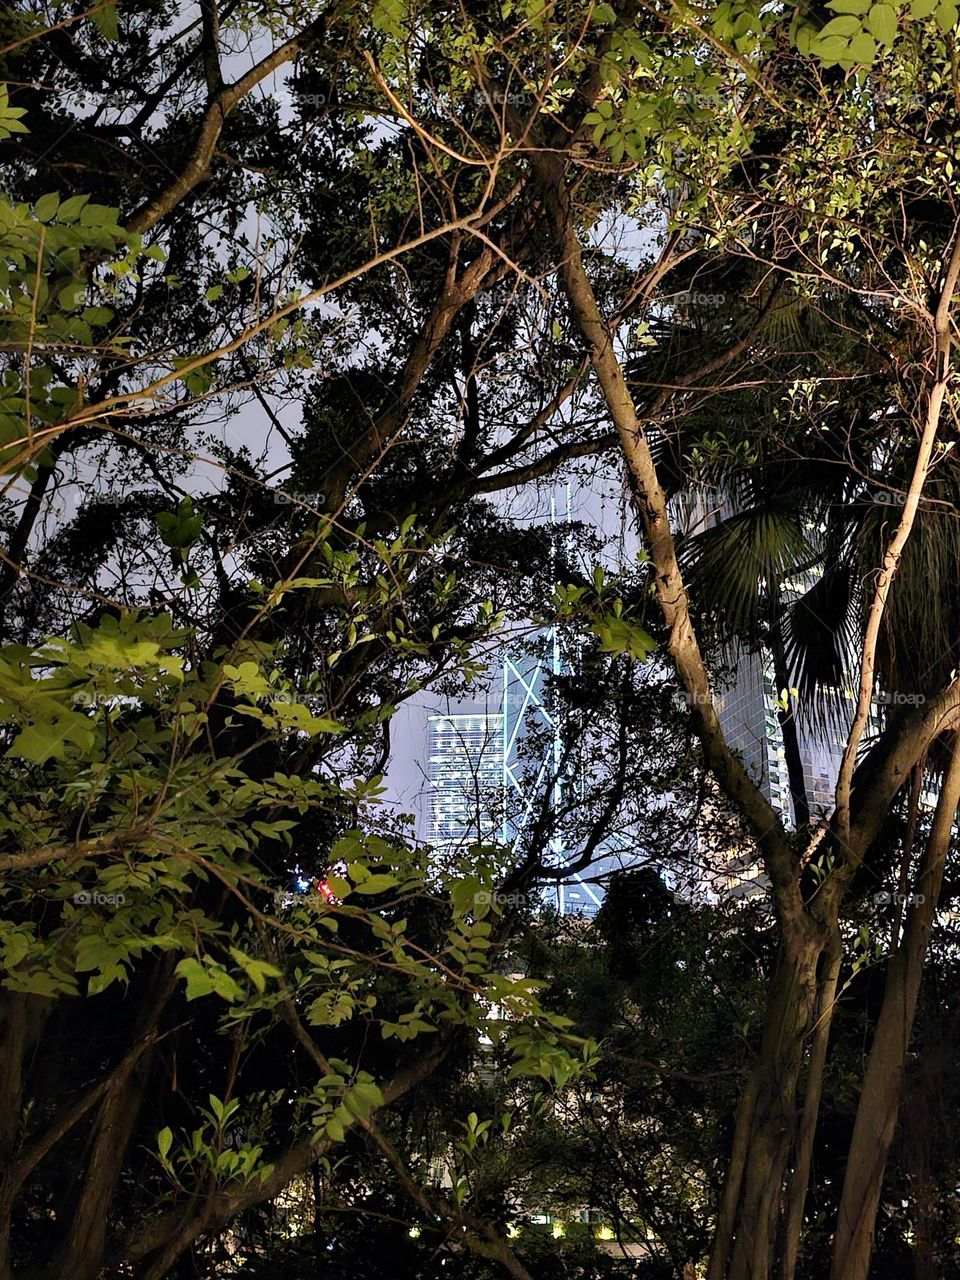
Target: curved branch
(220, 106)
(891, 559)
(683, 646)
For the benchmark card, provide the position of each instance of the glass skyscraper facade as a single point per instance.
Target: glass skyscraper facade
(465, 773)
(491, 772)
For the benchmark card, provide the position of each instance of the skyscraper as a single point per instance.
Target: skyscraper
(490, 773)
(493, 771)
(748, 706)
(750, 722)
(465, 772)
(748, 711)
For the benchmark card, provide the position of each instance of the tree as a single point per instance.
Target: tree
(767, 156)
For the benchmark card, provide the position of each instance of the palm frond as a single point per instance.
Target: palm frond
(820, 632)
(920, 639)
(729, 566)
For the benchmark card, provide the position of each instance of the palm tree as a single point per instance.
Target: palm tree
(807, 486)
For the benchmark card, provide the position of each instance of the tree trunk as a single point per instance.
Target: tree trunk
(826, 1002)
(906, 859)
(789, 1015)
(727, 1215)
(793, 990)
(882, 1085)
(21, 1020)
(82, 1254)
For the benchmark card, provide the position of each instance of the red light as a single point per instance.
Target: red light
(324, 888)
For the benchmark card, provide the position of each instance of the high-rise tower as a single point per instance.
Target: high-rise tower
(491, 771)
(465, 771)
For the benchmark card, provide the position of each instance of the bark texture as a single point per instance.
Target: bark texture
(883, 1082)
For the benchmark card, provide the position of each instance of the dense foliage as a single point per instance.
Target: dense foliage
(303, 308)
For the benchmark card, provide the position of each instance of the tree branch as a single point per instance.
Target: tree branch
(891, 559)
(220, 106)
(684, 649)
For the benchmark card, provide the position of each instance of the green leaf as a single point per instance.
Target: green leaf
(863, 49)
(618, 635)
(70, 210)
(10, 121)
(377, 884)
(97, 315)
(72, 294)
(198, 979)
(464, 893)
(846, 25)
(256, 970)
(98, 215)
(362, 1099)
(882, 22)
(98, 982)
(164, 1142)
(223, 985)
(388, 17)
(46, 207)
(105, 20)
(830, 50)
(217, 1107)
(180, 529)
(49, 739)
(946, 15)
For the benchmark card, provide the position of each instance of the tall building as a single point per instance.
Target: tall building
(533, 776)
(750, 722)
(465, 772)
(490, 773)
(748, 714)
(492, 770)
(748, 704)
